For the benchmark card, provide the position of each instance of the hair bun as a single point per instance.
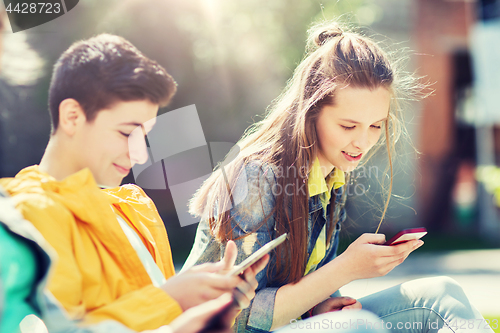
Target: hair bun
(325, 36)
(322, 33)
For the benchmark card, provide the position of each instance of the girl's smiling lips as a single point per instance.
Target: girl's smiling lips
(352, 158)
(121, 169)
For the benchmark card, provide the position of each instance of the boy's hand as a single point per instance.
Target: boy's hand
(196, 319)
(204, 282)
(249, 283)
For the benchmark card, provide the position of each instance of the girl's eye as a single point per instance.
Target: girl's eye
(347, 127)
(376, 127)
(125, 134)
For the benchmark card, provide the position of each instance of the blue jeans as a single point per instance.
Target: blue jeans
(436, 304)
(427, 305)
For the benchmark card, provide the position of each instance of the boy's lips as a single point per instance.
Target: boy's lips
(352, 157)
(121, 169)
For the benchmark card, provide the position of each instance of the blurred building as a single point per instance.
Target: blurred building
(447, 144)
(452, 136)
(451, 130)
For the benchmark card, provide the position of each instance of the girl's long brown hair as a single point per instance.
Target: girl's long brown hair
(286, 138)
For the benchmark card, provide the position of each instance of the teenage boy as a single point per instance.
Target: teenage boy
(114, 259)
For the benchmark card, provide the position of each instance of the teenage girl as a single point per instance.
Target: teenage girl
(289, 176)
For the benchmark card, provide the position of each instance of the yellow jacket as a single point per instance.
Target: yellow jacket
(98, 275)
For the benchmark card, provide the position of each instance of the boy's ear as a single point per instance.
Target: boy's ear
(71, 116)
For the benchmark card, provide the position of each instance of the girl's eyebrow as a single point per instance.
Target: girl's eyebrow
(356, 122)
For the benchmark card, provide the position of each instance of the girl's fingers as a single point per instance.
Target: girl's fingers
(400, 249)
(372, 238)
(346, 301)
(340, 302)
(350, 307)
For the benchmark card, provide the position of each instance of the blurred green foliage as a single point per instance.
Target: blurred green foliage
(494, 322)
(490, 177)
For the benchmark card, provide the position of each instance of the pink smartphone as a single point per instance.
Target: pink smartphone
(407, 235)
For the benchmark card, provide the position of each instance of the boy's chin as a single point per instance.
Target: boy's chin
(106, 183)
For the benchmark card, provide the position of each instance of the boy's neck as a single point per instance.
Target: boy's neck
(58, 160)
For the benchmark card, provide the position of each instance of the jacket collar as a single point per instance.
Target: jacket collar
(318, 184)
(77, 192)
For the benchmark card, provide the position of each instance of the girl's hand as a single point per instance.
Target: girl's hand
(336, 304)
(366, 257)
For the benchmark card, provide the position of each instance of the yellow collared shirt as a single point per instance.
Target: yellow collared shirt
(317, 184)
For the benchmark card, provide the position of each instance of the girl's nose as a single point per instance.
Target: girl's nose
(362, 142)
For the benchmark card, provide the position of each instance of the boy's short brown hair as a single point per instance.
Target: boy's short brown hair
(103, 70)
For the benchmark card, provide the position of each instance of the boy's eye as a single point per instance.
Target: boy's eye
(125, 134)
(347, 127)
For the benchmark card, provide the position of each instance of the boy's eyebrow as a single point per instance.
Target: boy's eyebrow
(131, 124)
(144, 131)
(356, 122)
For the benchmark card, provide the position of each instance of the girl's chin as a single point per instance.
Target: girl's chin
(347, 167)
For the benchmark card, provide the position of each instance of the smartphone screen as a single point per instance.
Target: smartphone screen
(407, 235)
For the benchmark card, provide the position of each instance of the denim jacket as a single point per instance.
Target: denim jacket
(254, 200)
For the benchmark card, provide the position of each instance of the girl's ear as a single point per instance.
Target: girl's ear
(71, 116)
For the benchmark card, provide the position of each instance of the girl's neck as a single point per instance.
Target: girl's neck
(326, 167)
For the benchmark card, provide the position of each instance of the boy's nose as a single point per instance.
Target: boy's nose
(138, 149)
